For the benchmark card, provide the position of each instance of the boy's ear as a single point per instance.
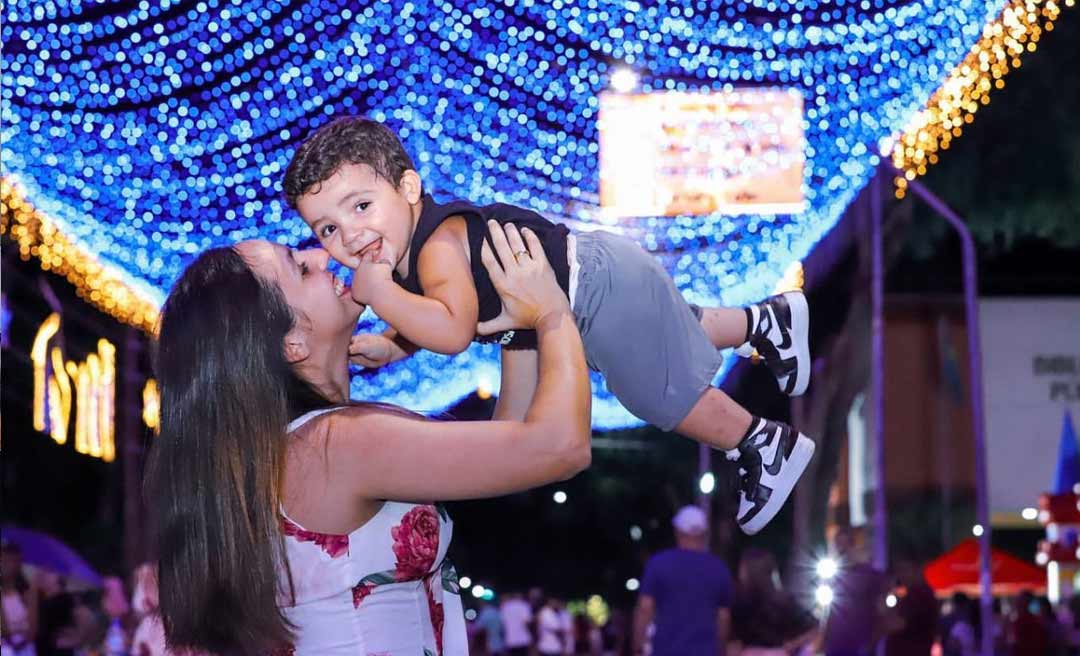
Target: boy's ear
(410, 186)
(296, 345)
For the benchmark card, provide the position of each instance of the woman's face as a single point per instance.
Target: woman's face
(322, 302)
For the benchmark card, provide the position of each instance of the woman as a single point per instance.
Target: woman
(292, 520)
(766, 619)
(149, 636)
(18, 612)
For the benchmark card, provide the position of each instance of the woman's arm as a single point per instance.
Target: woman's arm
(391, 455)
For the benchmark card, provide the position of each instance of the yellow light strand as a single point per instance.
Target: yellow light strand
(151, 413)
(81, 376)
(106, 392)
(37, 236)
(92, 408)
(1016, 31)
(39, 356)
(59, 398)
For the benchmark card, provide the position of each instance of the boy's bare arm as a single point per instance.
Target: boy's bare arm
(520, 371)
(405, 348)
(444, 318)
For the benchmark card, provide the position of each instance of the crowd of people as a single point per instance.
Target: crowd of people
(45, 615)
(690, 603)
(753, 613)
(532, 624)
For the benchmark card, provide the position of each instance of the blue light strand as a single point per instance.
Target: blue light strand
(153, 130)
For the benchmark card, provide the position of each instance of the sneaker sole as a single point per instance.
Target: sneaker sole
(796, 465)
(800, 332)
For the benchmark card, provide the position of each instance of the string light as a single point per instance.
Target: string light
(151, 413)
(134, 136)
(94, 394)
(109, 288)
(39, 352)
(1016, 31)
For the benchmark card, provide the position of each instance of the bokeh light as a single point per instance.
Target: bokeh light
(135, 135)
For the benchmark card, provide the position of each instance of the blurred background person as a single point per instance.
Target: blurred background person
(552, 635)
(1026, 633)
(57, 634)
(1056, 633)
(916, 612)
(613, 634)
(585, 636)
(856, 616)
(18, 630)
(517, 617)
(959, 629)
(766, 619)
(489, 622)
(149, 636)
(687, 592)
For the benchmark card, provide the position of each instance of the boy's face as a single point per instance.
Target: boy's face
(357, 213)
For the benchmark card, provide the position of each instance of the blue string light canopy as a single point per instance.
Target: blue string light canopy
(148, 131)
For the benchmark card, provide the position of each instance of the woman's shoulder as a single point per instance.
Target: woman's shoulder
(346, 419)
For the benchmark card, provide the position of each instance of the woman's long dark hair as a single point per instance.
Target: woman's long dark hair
(213, 484)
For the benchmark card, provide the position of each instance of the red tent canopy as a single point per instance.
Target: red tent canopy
(958, 571)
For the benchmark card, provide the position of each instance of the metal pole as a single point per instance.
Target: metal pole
(978, 419)
(877, 377)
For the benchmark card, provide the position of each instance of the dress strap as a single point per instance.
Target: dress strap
(308, 416)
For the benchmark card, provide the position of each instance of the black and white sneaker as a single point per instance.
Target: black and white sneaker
(771, 459)
(780, 328)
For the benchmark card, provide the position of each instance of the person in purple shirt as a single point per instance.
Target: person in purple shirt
(858, 616)
(687, 593)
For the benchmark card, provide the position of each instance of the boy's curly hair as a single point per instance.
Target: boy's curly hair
(347, 140)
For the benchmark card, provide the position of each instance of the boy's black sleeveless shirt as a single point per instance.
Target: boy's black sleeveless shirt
(552, 236)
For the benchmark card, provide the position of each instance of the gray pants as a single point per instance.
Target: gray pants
(639, 331)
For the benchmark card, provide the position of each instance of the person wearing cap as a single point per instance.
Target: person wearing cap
(686, 592)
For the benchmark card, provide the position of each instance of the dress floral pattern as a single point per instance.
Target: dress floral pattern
(385, 589)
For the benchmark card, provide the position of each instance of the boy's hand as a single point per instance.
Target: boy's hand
(371, 350)
(370, 278)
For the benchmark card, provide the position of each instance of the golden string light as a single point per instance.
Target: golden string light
(60, 392)
(94, 395)
(39, 356)
(1016, 31)
(38, 236)
(151, 400)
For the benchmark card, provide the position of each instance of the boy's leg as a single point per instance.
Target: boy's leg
(777, 327)
(726, 327)
(771, 455)
(717, 420)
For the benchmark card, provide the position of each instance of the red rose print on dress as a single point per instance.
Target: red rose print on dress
(438, 618)
(360, 591)
(416, 543)
(333, 545)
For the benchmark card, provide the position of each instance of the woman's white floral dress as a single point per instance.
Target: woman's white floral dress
(385, 589)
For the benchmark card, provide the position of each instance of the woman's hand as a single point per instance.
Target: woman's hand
(525, 281)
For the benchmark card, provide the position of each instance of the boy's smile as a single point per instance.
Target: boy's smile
(358, 214)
